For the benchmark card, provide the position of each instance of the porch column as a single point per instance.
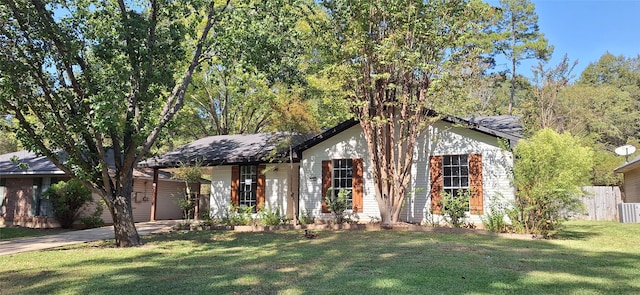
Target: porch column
(154, 194)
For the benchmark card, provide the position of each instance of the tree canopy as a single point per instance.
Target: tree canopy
(99, 81)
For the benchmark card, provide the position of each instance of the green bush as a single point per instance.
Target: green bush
(454, 208)
(238, 215)
(271, 217)
(67, 199)
(94, 220)
(549, 170)
(495, 221)
(338, 204)
(306, 217)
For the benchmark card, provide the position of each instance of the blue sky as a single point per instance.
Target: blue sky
(586, 29)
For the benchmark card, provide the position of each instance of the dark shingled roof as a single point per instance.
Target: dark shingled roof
(229, 149)
(507, 124)
(36, 164)
(631, 165)
(40, 165)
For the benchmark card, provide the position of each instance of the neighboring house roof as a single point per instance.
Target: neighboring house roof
(631, 165)
(229, 149)
(41, 165)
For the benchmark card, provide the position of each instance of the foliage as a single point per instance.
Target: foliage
(549, 171)
(519, 38)
(67, 199)
(267, 216)
(306, 217)
(89, 81)
(238, 215)
(495, 219)
(396, 62)
(338, 204)
(189, 174)
(454, 208)
(94, 220)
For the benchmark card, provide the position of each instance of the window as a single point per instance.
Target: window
(343, 174)
(452, 173)
(248, 187)
(455, 174)
(343, 179)
(3, 189)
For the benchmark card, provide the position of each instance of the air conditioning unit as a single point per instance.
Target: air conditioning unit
(629, 212)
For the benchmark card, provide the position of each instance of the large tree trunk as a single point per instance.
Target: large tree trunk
(125, 230)
(119, 203)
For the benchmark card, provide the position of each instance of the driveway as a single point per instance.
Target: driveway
(78, 236)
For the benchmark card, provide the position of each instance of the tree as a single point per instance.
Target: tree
(543, 109)
(262, 58)
(100, 81)
(520, 38)
(398, 61)
(549, 172)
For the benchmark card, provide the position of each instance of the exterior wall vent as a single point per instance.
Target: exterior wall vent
(629, 212)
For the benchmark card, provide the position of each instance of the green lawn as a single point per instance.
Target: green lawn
(8, 233)
(588, 258)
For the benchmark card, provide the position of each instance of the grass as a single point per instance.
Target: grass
(8, 233)
(586, 258)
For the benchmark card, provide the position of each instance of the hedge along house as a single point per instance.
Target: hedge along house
(22, 201)
(453, 154)
(252, 170)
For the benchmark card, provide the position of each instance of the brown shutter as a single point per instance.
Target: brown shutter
(326, 184)
(435, 179)
(235, 184)
(261, 187)
(475, 184)
(357, 185)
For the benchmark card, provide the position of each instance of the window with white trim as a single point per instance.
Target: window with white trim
(247, 191)
(456, 175)
(342, 177)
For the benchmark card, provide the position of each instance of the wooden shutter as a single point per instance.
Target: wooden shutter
(260, 193)
(357, 186)
(235, 184)
(475, 184)
(436, 182)
(326, 184)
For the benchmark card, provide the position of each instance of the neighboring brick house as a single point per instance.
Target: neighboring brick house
(22, 202)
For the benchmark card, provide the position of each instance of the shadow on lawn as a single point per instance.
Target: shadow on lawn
(341, 262)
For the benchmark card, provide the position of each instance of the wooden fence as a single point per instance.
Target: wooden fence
(601, 203)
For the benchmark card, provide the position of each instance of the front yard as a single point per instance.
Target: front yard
(587, 258)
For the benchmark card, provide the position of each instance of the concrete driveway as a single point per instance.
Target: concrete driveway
(78, 236)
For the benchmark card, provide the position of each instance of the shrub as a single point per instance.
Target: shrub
(495, 221)
(270, 217)
(337, 204)
(306, 217)
(454, 208)
(94, 219)
(67, 199)
(549, 172)
(238, 215)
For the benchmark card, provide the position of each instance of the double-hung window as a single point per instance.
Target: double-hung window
(456, 176)
(343, 179)
(345, 175)
(248, 187)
